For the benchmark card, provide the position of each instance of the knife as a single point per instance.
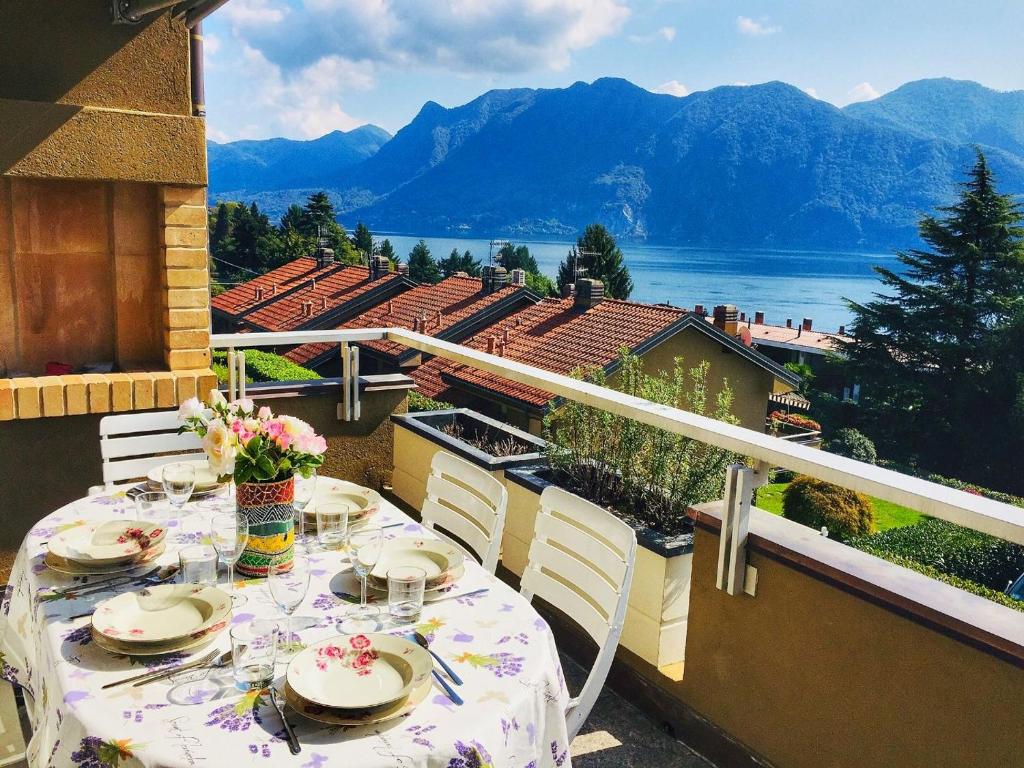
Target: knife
(293, 741)
(154, 672)
(146, 579)
(113, 580)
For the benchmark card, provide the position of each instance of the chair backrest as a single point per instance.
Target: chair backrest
(131, 444)
(581, 562)
(466, 502)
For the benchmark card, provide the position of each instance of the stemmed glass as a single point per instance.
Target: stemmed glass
(229, 532)
(289, 583)
(179, 480)
(364, 548)
(305, 490)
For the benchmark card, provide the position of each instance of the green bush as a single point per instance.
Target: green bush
(853, 444)
(977, 490)
(418, 402)
(815, 503)
(950, 549)
(996, 596)
(264, 366)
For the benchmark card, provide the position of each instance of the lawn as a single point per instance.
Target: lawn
(887, 514)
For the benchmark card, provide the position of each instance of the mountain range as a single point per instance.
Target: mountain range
(745, 166)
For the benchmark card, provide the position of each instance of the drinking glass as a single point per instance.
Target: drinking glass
(289, 583)
(198, 564)
(331, 525)
(229, 532)
(305, 490)
(153, 507)
(179, 480)
(253, 653)
(364, 547)
(405, 593)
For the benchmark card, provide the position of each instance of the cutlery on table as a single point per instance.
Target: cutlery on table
(473, 593)
(147, 580)
(221, 661)
(456, 699)
(293, 741)
(151, 672)
(76, 588)
(421, 641)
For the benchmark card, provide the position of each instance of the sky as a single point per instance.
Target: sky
(303, 68)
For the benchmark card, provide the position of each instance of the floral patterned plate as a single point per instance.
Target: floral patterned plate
(362, 502)
(205, 477)
(109, 543)
(372, 716)
(435, 557)
(162, 613)
(358, 672)
(155, 649)
(433, 591)
(71, 568)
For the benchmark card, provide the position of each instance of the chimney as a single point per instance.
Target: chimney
(725, 318)
(504, 336)
(391, 307)
(568, 290)
(460, 273)
(273, 291)
(842, 330)
(324, 257)
(312, 284)
(490, 345)
(259, 293)
(589, 292)
(743, 317)
(437, 318)
(323, 302)
(379, 267)
(500, 349)
(518, 277)
(307, 308)
(807, 324)
(402, 269)
(789, 323)
(699, 310)
(499, 279)
(759, 317)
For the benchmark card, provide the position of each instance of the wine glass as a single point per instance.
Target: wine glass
(179, 480)
(364, 548)
(305, 490)
(229, 532)
(289, 583)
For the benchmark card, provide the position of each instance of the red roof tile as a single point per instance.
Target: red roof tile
(238, 300)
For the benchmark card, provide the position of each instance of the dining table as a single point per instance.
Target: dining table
(513, 689)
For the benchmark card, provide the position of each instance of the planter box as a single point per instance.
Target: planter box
(659, 600)
(418, 437)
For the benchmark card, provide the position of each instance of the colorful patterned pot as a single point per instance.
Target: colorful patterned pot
(268, 508)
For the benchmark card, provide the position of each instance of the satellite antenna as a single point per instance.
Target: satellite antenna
(494, 251)
(577, 270)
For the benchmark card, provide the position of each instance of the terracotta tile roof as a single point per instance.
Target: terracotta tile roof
(775, 335)
(443, 305)
(238, 300)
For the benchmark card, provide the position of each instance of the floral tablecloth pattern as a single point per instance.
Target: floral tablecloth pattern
(504, 651)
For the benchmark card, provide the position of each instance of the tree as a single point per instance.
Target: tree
(422, 267)
(387, 250)
(318, 216)
(939, 357)
(597, 253)
(457, 262)
(513, 256)
(362, 241)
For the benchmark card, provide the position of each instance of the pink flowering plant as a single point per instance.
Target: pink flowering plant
(250, 444)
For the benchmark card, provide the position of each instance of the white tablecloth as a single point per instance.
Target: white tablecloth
(504, 651)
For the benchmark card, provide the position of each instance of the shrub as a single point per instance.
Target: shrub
(796, 420)
(816, 503)
(853, 444)
(265, 366)
(950, 549)
(996, 596)
(977, 490)
(418, 402)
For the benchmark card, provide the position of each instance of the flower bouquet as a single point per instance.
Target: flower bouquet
(261, 452)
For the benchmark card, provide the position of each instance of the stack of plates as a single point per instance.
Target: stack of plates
(442, 563)
(167, 618)
(362, 503)
(358, 679)
(207, 483)
(111, 547)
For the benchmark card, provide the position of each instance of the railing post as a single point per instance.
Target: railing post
(240, 357)
(732, 544)
(231, 373)
(345, 409)
(354, 375)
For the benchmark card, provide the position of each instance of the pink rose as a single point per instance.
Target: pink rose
(359, 642)
(265, 413)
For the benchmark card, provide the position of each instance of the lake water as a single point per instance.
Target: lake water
(784, 284)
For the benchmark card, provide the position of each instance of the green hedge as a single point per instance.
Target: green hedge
(264, 366)
(418, 402)
(988, 493)
(958, 552)
(996, 596)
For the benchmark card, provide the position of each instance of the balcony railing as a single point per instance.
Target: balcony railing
(979, 513)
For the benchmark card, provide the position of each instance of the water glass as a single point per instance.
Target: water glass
(288, 584)
(229, 532)
(198, 564)
(331, 525)
(405, 593)
(179, 480)
(253, 653)
(153, 507)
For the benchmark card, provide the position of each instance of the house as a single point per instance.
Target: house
(585, 330)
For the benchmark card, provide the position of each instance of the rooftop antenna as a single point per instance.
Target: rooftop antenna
(577, 270)
(494, 251)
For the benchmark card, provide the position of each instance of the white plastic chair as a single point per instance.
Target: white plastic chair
(12, 742)
(466, 502)
(581, 561)
(131, 444)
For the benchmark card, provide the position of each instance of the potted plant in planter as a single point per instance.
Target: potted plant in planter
(484, 441)
(644, 475)
(261, 453)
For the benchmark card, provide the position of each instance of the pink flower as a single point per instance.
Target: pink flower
(364, 660)
(359, 642)
(265, 414)
(274, 428)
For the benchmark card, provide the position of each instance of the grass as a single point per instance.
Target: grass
(887, 514)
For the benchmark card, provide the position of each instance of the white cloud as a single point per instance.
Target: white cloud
(861, 92)
(254, 12)
(754, 28)
(668, 33)
(662, 33)
(812, 92)
(673, 88)
(211, 44)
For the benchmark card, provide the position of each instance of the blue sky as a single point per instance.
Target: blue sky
(302, 68)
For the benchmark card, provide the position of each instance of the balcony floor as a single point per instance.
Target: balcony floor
(618, 735)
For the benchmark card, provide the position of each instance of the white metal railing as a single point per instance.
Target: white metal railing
(977, 512)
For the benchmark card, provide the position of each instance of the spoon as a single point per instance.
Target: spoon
(421, 641)
(221, 661)
(148, 580)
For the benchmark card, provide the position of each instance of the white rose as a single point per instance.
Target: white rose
(216, 398)
(244, 405)
(190, 409)
(220, 445)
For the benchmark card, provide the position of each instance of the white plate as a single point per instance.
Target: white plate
(431, 593)
(436, 558)
(360, 501)
(371, 716)
(205, 478)
(70, 568)
(154, 649)
(358, 671)
(109, 543)
(162, 613)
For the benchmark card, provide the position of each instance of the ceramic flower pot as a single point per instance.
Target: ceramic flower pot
(268, 508)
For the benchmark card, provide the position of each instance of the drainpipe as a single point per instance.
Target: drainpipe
(195, 48)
